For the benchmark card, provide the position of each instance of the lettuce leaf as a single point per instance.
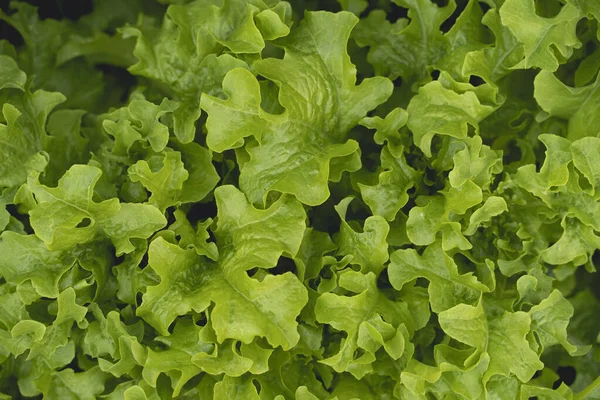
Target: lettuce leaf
(299, 200)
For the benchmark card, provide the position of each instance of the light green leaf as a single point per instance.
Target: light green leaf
(318, 116)
(13, 310)
(86, 385)
(467, 324)
(577, 105)
(502, 336)
(449, 378)
(309, 258)
(224, 359)
(567, 199)
(494, 62)
(22, 336)
(356, 7)
(57, 335)
(121, 342)
(447, 288)
(260, 307)
(196, 239)
(586, 158)
(203, 176)
(26, 258)
(370, 320)
(236, 388)
(273, 25)
(228, 359)
(6, 198)
(23, 137)
(492, 207)
(577, 244)
(387, 128)
(456, 379)
(467, 35)
(555, 171)
(67, 215)
(475, 162)
(461, 198)
(549, 320)
(368, 248)
(503, 387)
(541, 37)
(406, 49)
(436, 110)
(175, 360)
(11, 77)
(139, 120)
(241, 115)
(194, 33)
(424, 222)
(163, 176)
(389, 195)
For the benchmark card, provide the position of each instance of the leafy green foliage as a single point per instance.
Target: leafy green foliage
(239, 199)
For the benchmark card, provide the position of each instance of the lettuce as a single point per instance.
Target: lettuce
(261, 199)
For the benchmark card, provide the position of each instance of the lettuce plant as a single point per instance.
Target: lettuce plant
(260, 199)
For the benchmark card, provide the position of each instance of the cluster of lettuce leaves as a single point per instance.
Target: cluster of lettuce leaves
(242, 199)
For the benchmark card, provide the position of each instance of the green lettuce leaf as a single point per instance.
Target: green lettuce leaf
(539, 35)
(371, 322)
(67, 214)
(502, 336)
(314, 128)
(411, 46)
(299, 200)
(226, 282)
